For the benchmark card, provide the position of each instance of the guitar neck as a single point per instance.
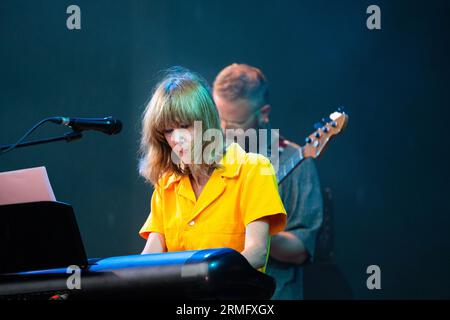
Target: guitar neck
(316, 142)
(288, 165)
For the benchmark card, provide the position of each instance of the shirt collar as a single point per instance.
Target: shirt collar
(232, 161)
(231, 164)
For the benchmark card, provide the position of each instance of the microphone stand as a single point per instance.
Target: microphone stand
(70, 136)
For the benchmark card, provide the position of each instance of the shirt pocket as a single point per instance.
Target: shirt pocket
(224, 228)
(222, 235)
(171, 235)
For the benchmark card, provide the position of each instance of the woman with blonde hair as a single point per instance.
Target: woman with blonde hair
(205, 195)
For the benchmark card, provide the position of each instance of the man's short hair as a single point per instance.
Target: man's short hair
(241, 81)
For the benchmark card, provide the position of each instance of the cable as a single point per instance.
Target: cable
(26, 135)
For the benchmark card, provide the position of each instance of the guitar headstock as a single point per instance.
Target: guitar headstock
(325, 130)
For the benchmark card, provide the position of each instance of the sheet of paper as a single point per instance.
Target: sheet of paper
(26, 185)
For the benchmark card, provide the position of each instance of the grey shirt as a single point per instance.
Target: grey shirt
(302, 197)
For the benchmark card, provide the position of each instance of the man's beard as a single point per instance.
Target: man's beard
(266, 145)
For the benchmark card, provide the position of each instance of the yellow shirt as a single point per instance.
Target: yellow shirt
(244, 190)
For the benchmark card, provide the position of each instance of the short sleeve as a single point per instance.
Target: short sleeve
(260, 197)
(154, 222)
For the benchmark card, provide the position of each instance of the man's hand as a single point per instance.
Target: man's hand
(287, 247)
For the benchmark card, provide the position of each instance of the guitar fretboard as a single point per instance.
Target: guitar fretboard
(288, 165)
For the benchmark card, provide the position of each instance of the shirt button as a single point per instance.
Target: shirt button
(192, 223)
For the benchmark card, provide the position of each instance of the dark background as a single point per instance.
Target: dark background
(388, 172)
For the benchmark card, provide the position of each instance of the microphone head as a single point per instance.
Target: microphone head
(107, 125)
(116, 126)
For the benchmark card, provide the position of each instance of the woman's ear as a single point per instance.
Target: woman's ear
(264, 113)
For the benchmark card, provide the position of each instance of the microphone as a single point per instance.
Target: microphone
(107, 125)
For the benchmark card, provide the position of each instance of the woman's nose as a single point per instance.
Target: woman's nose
(178, 136)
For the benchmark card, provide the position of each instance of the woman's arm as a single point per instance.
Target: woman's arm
(155, 243)
(256, 237)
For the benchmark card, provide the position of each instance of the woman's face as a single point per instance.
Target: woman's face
(180, 139)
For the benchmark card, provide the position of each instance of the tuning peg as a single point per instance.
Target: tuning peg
(326, 120)
(334, 124)
(325, 129)
(317, 134)
(308, 140)
(318, 125)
